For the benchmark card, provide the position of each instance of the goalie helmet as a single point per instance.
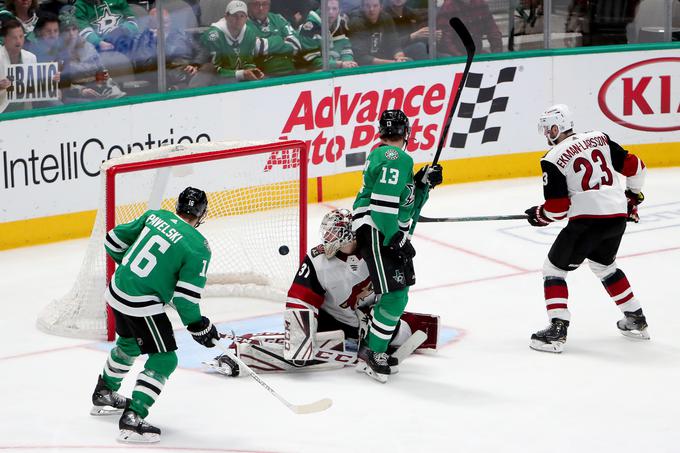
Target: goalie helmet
(193, 202)
(394, 123)
(336, 231)
(558, 115)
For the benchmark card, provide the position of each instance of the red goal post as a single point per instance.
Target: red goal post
(256, 224)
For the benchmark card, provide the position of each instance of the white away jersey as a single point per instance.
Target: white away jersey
(580, 180)
(336, 285)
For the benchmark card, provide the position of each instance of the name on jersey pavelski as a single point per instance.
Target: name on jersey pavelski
(579, 147)
(163, 227)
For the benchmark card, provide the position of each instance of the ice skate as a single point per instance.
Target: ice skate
(376, 365)
(393, 362)
(223, 364)
(552, 338)
(134, 429)
(634, 325)
(105, 401)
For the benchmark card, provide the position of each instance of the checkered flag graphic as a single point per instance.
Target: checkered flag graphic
(476, 106)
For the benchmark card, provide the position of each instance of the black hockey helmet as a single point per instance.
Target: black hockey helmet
(193, 202)
(394, 123)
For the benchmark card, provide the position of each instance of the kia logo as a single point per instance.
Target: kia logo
(644, 96)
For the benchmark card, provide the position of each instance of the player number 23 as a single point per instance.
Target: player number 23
(392, 178)
(581, 163)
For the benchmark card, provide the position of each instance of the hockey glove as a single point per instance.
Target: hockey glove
(431, 175)
(536, 216)
(634, 199)
(401, 247)
(204, 332)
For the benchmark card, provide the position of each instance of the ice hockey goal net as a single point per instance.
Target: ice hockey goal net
(256, 224)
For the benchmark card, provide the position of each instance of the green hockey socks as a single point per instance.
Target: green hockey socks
(386, 314)
(150, 382)
(119, 362)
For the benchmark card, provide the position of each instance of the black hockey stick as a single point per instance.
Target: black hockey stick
(462, 31)
(464, 35)
(472, 219)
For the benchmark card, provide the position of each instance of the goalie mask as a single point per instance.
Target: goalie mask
(558, 115)
(336, 231)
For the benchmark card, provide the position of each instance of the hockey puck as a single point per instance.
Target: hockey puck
(283, 250)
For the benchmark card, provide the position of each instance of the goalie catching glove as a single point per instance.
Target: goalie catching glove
(429, 176)
(634, 199)
(204, 332)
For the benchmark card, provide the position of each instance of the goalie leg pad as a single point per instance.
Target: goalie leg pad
(299, 338)
(425, 322)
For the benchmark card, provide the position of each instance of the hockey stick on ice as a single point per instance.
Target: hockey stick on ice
(410, 345)
(317, 406)
(472, 219)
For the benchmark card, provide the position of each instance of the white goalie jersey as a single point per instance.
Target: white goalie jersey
(337, 285)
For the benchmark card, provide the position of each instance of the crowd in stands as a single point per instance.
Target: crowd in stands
(108, 48)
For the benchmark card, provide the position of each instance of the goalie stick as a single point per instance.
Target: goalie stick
(472, 219)
(316, 406)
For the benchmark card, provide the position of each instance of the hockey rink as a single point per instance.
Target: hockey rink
(483, 391)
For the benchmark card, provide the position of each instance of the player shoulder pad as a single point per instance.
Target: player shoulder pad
(316, 251)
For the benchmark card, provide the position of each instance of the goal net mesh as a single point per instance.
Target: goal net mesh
(255, 224)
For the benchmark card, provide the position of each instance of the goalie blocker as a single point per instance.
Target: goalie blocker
(298, 349)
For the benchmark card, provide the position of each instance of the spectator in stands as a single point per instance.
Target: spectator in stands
(83, 76)
(25, 11)
(476, 15)
(606, 21)
(12, 52)
(46, 45)
(339, 48)
(107, 24)
(374, 37)
(233, 44)
(283, 43)
(294, 11)
(179, 52)
(411, 27)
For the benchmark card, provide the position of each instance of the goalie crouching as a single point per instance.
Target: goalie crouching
(328, 309)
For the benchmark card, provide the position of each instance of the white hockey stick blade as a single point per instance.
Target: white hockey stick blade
(317, 406)
(410, 345)
(310, 408)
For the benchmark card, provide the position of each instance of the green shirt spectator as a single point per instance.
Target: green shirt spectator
(283, 43)
(340, 53)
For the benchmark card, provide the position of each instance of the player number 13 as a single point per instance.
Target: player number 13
(393, 176)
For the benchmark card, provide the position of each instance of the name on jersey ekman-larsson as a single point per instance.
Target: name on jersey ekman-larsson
(579, 147)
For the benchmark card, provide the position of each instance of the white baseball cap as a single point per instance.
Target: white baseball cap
(235, 6)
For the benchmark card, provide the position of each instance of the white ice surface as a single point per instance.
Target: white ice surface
(485, 392)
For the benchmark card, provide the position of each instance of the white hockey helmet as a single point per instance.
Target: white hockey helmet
(336, 231)
(558, 115)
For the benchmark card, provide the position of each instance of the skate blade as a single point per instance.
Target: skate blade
(102, 411)
(363, 368)
(127, 436)
(635, 334)
(555, 347)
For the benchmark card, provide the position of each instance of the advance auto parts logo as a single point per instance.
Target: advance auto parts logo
(644, 96)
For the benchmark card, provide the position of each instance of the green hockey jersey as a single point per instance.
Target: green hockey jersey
(282, 44)
(161, 260)
(230, 56)
(339, 49)
(97, 19)
(388, 198)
